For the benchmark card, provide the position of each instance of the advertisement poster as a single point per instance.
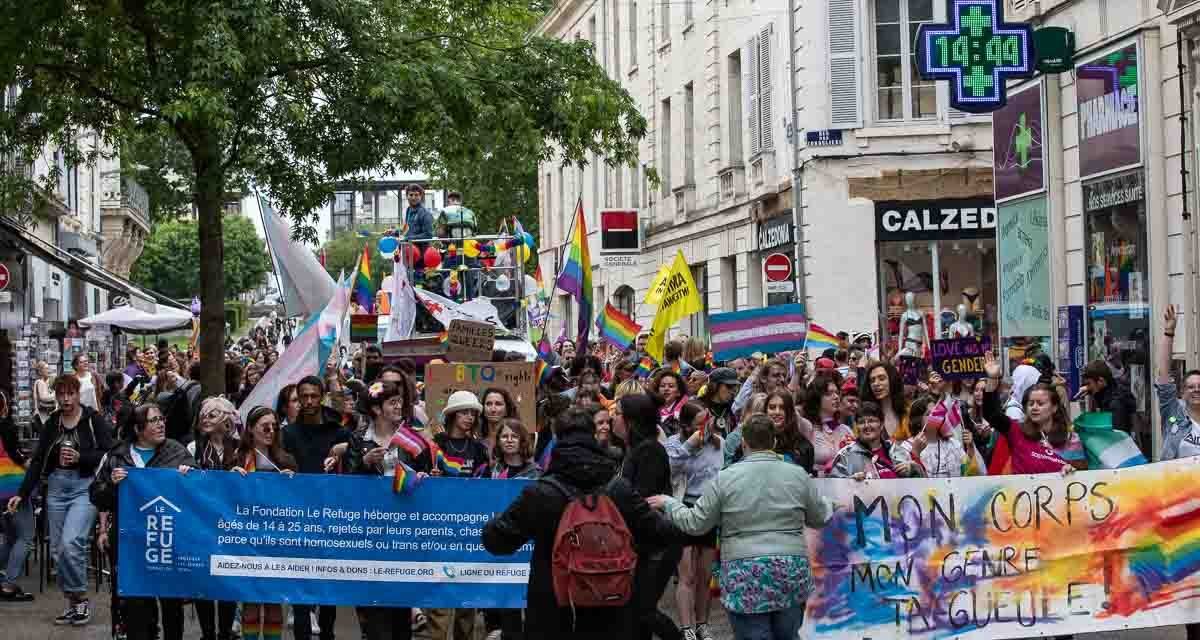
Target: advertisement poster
(1070, 353)
(1106, 88)
(1023, 251)
(315, 539)
(1017, 144)
(1007, 556)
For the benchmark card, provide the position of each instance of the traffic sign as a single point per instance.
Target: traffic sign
(4, 277)
(777, 267)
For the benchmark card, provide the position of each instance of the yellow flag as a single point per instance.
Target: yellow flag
(655, 294)
(679, 299)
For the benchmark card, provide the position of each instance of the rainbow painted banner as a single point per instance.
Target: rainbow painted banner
(1008, 556)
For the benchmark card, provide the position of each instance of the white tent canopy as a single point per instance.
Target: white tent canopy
(135, 320)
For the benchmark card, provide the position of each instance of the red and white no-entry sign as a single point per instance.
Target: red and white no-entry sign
(4, 277)
(777, 267)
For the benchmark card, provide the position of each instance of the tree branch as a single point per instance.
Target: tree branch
(75, 76)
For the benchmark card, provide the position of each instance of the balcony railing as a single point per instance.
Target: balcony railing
(136, 201)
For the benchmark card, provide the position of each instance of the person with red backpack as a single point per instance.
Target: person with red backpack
(587, 525)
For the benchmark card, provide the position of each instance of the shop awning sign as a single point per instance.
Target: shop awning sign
(957, 219)
(976, 52)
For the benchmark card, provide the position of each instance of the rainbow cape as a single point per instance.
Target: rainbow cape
(616, 328)
(576, 276)
(11, 475)
(362, 282)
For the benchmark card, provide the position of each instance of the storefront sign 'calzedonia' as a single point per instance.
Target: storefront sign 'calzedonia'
(935, 219)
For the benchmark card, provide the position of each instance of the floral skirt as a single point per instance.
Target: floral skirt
(765, 583)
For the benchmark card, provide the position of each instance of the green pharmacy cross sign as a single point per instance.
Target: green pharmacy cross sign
(977, 51)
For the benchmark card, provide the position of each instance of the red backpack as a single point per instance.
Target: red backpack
(593, 560)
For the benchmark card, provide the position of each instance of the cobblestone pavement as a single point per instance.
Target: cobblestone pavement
(33, 621)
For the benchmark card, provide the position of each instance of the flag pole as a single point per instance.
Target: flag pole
(262, 216)
(559, 267)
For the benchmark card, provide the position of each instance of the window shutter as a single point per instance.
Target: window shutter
(765, 128)
(845, 66)
(751, 85)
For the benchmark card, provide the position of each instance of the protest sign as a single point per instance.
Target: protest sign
(518, 378)
(960, 358)
(470, 341)
(768, 330)
(1007, 556)
(314, 539)
(911, 369)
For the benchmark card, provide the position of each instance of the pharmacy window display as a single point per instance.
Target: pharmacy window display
(1118, 286)
(937, 271)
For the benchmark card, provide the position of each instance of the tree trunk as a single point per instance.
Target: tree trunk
(210, 191)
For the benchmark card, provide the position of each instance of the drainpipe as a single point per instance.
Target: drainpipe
(797, 167)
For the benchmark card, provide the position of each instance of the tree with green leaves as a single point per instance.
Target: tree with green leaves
(293, 95)
(170, 261)
(343, 252)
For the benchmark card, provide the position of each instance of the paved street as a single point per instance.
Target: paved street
(33, 622)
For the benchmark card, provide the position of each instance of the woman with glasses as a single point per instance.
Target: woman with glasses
(260, 450)
(149, 449)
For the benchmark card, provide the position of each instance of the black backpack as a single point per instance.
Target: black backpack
(178, 412)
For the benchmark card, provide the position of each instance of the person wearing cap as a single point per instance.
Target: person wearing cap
(464, 456)
(723, 385)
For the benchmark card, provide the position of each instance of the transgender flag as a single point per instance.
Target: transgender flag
(767, 330)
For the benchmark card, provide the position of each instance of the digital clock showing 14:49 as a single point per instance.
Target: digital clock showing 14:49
(976, 52)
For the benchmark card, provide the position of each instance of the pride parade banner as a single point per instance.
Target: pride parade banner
(315, 539)
(1008, 556)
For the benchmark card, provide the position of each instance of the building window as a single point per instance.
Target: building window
(559, 231)
(664, 20)
(664, 148)
(734, 97)
(342, 212)
(698, 322)
(633, 34)
(901, 93)
(623, 300)
(759, 50)
(689, 143)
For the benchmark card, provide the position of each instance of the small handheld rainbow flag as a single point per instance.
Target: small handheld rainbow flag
(405, 479)
(617, 328)
(821, 338)
(645, 367)
(362, 282)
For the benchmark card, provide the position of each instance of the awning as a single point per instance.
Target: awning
(78, 267)
(132, 320)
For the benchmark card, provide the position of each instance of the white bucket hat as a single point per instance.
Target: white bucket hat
(460, 401)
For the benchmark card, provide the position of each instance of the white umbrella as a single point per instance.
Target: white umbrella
(130, 319)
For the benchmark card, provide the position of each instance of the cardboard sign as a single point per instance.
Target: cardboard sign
(468, 341)
(912, 370)
(960, 358)
(518, 378)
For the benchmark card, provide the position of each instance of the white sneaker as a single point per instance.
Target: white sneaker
(291, 619)
(689, 634)
(312, 617)
(495, 635)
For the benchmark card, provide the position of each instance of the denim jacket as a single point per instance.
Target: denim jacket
(698, 465)
(1176, 423)
(420, 223)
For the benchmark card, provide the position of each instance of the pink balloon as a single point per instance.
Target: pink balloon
(433, 258)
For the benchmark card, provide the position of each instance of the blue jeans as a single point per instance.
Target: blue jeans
(71, 516)
(18, 533)
(775, 625)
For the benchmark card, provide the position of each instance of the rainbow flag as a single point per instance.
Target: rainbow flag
(543, 372)
(11, 475)
(576, 276)
(364, 327)
(644, 367)
(449, 465)
(405, 479)
(617, 328)
(820, 338)
(362, 281)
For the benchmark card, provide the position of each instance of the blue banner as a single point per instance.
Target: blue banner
(315, 539)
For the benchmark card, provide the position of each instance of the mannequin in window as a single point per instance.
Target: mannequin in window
(961, 328)
(912, 328)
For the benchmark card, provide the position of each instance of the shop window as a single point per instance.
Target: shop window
(901, 93)
(1118, 289)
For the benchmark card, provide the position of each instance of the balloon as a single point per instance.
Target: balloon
(471, 248)
(414, 256)
(452, 251)
(518, 240)
(387, 245)
(432, 258)
(502, 283)
(523, 253)
(528, 239)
